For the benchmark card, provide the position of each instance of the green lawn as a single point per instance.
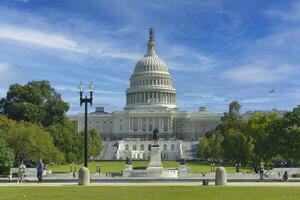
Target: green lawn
(149, 193)
(118, 166)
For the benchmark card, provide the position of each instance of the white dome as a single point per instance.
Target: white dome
(151, 63)
(151, 83)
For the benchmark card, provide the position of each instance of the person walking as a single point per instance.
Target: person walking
(40, 169)
(21, 172)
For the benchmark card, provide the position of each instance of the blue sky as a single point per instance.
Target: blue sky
(217, 51)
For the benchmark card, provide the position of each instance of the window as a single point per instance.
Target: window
(157, 123)
(127, 147)
(134, 147)
(150, 126)
(144, 124)
(135, 124)
(149, 147)
(121, 127)
(165, 147)
(172, 147)
(165, 123)
(142, 147)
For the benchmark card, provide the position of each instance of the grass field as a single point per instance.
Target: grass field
(117, 166)
(149, 193)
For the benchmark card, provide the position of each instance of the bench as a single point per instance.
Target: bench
(29, 172)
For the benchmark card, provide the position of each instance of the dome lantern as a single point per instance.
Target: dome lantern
(151, 43)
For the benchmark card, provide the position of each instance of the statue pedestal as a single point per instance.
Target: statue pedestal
(155, 159)
(128, 167)
(127, 170)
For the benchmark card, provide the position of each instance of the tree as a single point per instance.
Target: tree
(211, 147)
(7, 155)
(94, 143)
(286, 136)
(259, 128)
(228, 140)
(35, 102)
(68, 140)
(234, 109)
(231, 119)
(30, 141)
(237, 146)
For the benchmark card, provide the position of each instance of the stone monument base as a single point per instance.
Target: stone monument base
(155, 159)
(127, 170)
(155, 168)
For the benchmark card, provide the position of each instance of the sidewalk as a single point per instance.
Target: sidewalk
(130, 184)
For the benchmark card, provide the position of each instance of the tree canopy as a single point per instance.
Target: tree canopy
(34, 125)
(29, 141)
(261, 138)
(35, 102)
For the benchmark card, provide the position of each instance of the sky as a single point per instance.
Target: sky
(217, 51)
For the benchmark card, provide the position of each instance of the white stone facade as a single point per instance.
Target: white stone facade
(136, 149)
(150, 103)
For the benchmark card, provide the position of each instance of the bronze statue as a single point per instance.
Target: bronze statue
(128, 161)
(155, 137)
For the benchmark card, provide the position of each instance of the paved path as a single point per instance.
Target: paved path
(265, 184)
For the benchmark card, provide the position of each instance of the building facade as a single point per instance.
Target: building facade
(150, 103)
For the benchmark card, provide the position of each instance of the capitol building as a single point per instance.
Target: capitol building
(150, 103)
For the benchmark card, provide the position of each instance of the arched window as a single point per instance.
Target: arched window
(172, 147)
(149, 147)
(127, 147)
(165, 147)
(142, 147)
(134, 147)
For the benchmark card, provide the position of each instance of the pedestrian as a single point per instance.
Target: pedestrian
(97, 168)
(40, 169)
(9, 177)
(21, 172)
(285, 177)
(261, 172)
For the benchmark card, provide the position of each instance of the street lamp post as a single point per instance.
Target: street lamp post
(85, 100)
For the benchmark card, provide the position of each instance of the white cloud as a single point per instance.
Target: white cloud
(255, 73)
(258, 100)
(24, 1)
(75, 89)
(8, 73)
(53, 40)
(4, 67)
(293, 14)
(184, 59)
(203, 97)
(286, 38)
(46, 39)
(113, 52)
(114, 79)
